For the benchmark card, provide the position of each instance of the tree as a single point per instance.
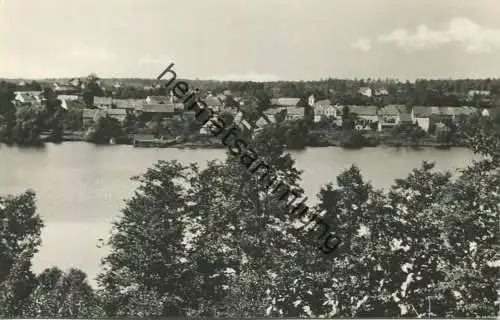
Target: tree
(92, 89)
(103, 130)
(19, 240)
(221, 205)
(7, 110)
(210, 242)
(60, 294)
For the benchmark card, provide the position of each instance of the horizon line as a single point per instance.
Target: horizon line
(401, 80)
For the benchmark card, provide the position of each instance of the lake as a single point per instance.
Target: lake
(80, 187)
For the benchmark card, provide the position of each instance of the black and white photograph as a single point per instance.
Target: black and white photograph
(260, 159)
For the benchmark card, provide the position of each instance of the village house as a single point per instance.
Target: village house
(103, 102)
(388, 116)
(381, 92)
(267, 117)
(294, 113)
(162, 110)
(365, 91)
(324, 108)
(420, 115)
(27, 97)
(473, 93)
(441, 114)
(367, 116)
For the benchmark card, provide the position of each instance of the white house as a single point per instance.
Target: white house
(27, 97)
(388, 116)
(366, 91)
(473, 93)
(324, 108)
(420, 115)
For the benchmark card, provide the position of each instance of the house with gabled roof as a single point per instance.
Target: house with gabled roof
(325, 108)
(367, 116)
(473, 93)
(388, 116)
(294, 113)
(420, 115)
(365, 91)
(27, 97)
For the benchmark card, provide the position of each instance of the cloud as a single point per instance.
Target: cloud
(257, 77)
(462, 31)
(161, 59)
(81, 52)
(362, 44)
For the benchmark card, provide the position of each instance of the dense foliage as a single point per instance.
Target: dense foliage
(211, 242)
(427, 244)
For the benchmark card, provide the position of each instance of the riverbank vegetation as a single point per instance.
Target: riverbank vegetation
(209, 243)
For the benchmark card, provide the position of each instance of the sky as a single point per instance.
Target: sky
(259, 40)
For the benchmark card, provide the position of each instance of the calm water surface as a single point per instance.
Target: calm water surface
(80, 187)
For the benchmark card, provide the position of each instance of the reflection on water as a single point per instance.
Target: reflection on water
(80, 187)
